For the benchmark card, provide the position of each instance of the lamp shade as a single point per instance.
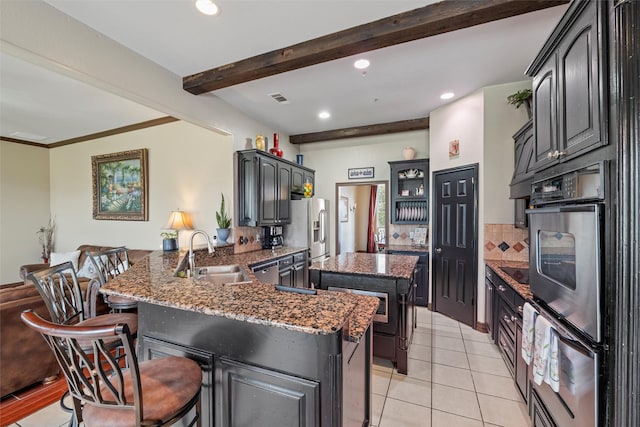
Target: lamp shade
(178, 220)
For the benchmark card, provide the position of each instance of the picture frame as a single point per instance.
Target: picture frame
(120, 186)
(343, 209)
(360, 173)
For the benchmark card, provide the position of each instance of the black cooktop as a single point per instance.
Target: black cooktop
(520, 275)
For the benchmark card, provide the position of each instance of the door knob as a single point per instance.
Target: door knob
(438, 250)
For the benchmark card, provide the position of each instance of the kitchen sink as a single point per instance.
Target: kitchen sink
(223, 274)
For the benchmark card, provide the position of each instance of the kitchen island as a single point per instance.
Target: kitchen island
(390, 278)
(269, 357)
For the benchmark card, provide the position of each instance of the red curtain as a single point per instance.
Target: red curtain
(371, 241)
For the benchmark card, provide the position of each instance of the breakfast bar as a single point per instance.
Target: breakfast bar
(268, 357)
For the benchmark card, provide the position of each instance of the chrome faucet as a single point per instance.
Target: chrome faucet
(192, 256)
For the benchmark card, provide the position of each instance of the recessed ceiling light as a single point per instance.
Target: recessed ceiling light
(447, 95)
(361, 64)
(207, 7)
(324, 115)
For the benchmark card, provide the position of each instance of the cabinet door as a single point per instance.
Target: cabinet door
(524, 147)
(579, 86)
(489, 309)
(310, 177)
(422, 282)
(153, 348)
(249, 394)
(247, 190)
(284, 194)
(297, 180)
(269, 191)
(522, 378)
(544, 114)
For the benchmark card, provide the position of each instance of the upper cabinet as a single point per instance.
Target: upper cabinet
(410, 191)
(265, 185)
(569, 86)
(523, 162)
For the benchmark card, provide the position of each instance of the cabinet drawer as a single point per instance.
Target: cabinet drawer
(285, 262)
(505, 291)
(507, 319)
(507, 348)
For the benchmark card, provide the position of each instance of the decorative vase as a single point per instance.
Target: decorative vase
(169, 245)
(408, 153)
(223, 234)
(260, 142)
(276, 150)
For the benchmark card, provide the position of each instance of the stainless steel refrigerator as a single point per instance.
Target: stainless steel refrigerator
(309, 227)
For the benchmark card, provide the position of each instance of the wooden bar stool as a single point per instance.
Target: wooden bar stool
(157, 392)
(108, 265)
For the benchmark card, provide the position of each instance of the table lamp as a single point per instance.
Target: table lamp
(178, 220)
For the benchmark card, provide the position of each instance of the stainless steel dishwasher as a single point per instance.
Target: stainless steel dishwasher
(267, 272)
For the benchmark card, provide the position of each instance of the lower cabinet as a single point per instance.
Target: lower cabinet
(539, 415)
(421, 276)
(260, 375)
(253, 396)
(503, 316)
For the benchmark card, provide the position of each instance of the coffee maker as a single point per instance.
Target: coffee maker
(272, 237)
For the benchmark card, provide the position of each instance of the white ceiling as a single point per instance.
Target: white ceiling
(403, 82)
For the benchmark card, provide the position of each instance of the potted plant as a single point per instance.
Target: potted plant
(521, 97)
(224, 222)
(169, 241)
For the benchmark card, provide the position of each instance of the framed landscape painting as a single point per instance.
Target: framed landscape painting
(120, 186)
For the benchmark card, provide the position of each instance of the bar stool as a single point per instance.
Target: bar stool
(108, 265)
(58, 286)
(157, 392)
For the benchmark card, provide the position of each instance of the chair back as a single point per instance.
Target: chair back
(109, 263)
(93, 372)
(58, 286)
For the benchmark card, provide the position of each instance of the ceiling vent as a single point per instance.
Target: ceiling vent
(280, 99)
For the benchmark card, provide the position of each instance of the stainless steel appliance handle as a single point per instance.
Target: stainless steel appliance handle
(570, 208)
(322, 217)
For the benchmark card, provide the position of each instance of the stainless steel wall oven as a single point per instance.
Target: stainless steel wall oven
(566, 247)
(566, 229)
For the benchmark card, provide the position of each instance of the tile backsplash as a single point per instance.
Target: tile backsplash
(250, 234)
(399, 234)
(504, 242)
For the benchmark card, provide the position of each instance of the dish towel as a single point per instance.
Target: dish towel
(552, 375)
(541, 349)
(529, 315)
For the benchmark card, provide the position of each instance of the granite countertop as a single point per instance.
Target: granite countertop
(407, 248)
(380, 265)
(520, 288)
(152, 280)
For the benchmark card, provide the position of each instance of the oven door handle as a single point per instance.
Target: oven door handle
(592, 207)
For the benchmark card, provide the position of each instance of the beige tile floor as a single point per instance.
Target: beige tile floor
(456, 378)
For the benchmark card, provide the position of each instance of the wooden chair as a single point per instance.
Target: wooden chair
(157, 392)
(58, 286)
(108, 265)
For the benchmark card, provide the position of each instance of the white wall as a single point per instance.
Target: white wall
(188, 169)
(347, 229)
(484, 123)
(24, 206)
(332, 159)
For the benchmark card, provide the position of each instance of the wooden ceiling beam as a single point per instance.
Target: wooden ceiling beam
(359, 131)
(431, 20)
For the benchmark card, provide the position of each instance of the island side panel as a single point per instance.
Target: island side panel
(250, 361)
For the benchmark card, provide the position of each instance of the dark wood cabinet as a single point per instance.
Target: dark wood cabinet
(503, 316)
(421, 274)
(410, 192)
(523, 162)
(299, 177)
(569, 86)
(265, 187)
(251, 393)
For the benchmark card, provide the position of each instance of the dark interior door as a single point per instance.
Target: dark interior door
(454, 256)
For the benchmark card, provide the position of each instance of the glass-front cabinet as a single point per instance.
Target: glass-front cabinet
(410, 191)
